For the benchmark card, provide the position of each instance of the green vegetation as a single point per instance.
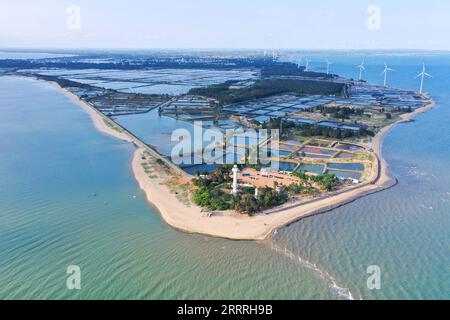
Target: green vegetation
(327, 182)
(211, 197)
(112, 126)
(213, 193)
(328, 132)
(303, 188)
(216, 197)
(275, 123)
(311, 130)
(268, 87)
(63, 83)
(341, 113)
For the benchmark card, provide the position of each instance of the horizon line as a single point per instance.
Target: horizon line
(210, 49)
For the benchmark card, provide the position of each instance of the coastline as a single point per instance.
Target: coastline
(233, 226)
(377, 143)
(97, 119)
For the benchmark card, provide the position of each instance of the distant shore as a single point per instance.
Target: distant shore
(235, 226)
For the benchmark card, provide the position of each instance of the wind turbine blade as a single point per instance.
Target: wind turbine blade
(428, 75)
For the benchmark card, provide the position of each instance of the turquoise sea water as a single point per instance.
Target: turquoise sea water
(67, 196)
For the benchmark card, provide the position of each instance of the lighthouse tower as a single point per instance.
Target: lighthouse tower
(235, 170)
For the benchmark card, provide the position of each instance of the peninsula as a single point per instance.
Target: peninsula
(331, 132)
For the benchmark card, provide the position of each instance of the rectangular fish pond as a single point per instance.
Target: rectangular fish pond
(311, 168)
(346, 166)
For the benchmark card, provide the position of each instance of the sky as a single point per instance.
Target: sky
(230, 24)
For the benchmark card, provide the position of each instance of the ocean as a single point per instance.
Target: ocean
(68, 197)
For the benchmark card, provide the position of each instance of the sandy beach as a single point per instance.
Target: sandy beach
(234, 226)
(100, 121)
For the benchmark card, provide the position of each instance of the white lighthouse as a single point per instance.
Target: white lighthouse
(256, 193)
(235, 170)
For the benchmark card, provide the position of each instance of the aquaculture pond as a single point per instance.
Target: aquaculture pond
(228, 158)
(201, 168)
(287, 166)
(345, 174)
(317, 150)
(284, 153)
(183, 161)
(344, 155)
(350, 147)
(294, 141)
(346, 166)
(316, 156)
(288, 147)
(312, 168)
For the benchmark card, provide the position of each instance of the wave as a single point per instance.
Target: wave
(340, 291)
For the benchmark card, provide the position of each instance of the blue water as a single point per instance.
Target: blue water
(313, 168)
(154, 129)
(66, 197)
(345, 175)
(284, 153)
(349, 147)
(316, 156)
(201, 168)
(344, 155)
(405, 230)
(287, 166)
(346, 166)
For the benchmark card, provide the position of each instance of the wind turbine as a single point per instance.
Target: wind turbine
(307, 64)
(385, 72)
(328, 66)
(299, 62)
(274, 55)
(361, 69)
(423, 74)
